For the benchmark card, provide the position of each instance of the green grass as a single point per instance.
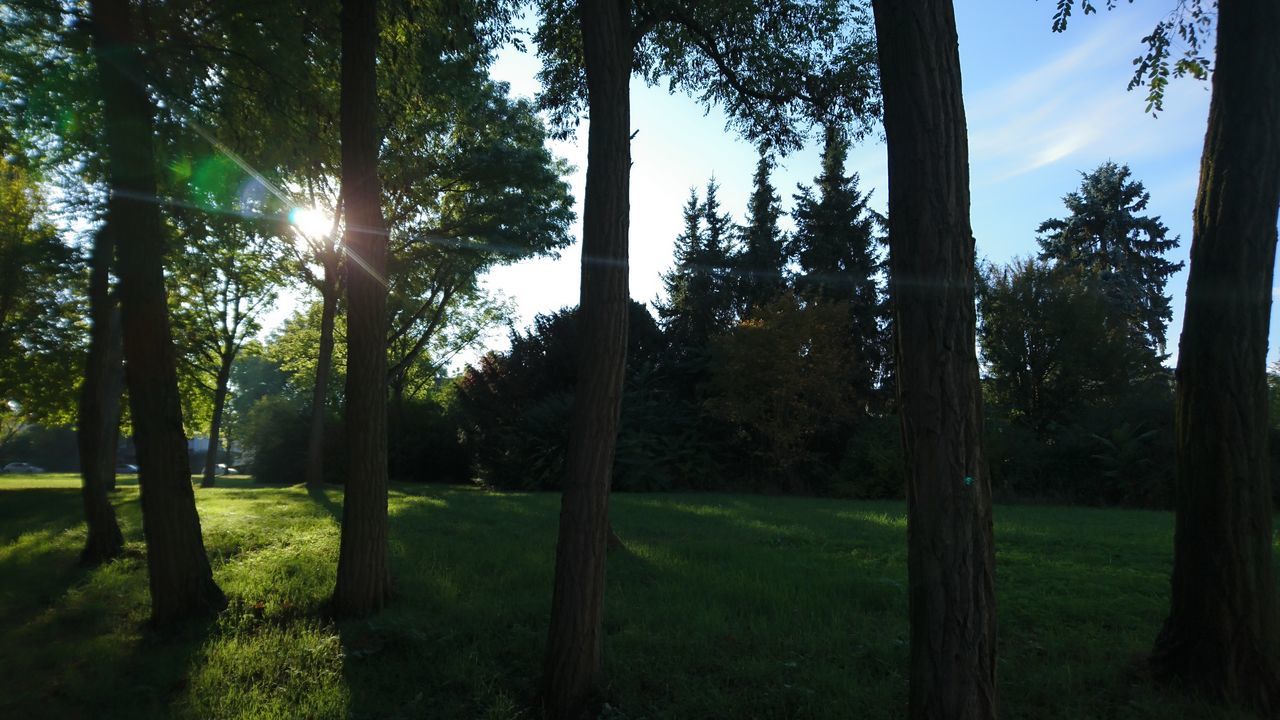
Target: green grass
(724, 606)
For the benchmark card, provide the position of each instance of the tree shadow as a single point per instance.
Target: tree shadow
(321, 497)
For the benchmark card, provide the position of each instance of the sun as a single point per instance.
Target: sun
(313, 223)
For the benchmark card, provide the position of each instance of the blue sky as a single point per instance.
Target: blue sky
(1041, 108)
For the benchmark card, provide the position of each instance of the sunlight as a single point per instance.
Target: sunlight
(313, 223)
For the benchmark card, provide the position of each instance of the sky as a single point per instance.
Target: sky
(1042, 108)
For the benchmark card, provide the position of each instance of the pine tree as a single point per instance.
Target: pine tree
(759, 267)
(1107, 239)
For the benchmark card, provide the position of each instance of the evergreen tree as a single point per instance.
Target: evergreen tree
(699, 298)
(1107, 239)
(834, 246)
(760, 265)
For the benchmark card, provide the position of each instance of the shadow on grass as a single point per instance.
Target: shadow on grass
(321, 497)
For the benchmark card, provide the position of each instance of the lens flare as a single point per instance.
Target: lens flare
(313, 223)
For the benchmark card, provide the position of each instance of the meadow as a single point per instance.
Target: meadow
(719, 606)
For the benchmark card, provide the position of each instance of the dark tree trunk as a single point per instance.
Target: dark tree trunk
(574, 649)
(364, 581)
(115, 388)
(215, 426)
(181, 582)
(99, 412)
(320, 393)
(1221, 634)
(950, 558)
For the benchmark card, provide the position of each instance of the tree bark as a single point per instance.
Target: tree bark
(1221, 634)
(320, 393)
(215, 425)
(364, 581)
(99, 411)
(950, 558)
(574, 649)
(180, 579)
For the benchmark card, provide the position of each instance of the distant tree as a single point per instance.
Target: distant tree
(1047, 345)
(780, 375)
(950, 548)
(227, 274)
(760, 266)
(699, 287)
(834, 244)
(181, 581)
(1106, 240)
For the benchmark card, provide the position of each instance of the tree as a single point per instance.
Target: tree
(1047, 345)
(780, 375)
(1221, 635)
(774, 76)
(41, 287)
(760, 267)
(699, 288)
(181, 581)
(98, 426)
(1106, 239)
(950, 551)
(834, 245)
(227, 274)
(364, 580)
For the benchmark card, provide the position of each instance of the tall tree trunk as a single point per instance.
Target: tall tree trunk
(364, 581)
(99, 412)
(181, 582)
(950, 558)
(320, 393)
(215, 426)
(1221, 634)
(574, 648)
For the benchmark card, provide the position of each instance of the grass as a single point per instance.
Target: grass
(723, 606)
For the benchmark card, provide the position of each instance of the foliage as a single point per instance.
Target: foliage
(1121, 252)
(777, 67)
(515, 408)
(699, 288)
(42, 331)
(780, 378)
(1190, 25)
(760, 267)
(834, 245)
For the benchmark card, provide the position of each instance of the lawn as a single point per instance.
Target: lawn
(722, 606)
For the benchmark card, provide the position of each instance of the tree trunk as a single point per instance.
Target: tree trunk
(320, 393)
(181, 582)
(115, 389)
(950, 558)
(364, 581)
(99, 412)
(215, 426)
(1221, 635)
(574, 648)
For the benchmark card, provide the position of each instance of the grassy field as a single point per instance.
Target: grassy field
(723, 606)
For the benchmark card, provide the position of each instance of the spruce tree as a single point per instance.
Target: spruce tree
(699, 298)
(760, 266)
(1109, 241)
(834, 245)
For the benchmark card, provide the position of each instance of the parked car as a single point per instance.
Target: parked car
(21, 467)
(221, 469)
(126, 469)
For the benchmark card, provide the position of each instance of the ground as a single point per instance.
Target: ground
(721, 606)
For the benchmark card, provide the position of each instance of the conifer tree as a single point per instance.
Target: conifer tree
(761, 263)
(834, 245)
(1120, 250)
